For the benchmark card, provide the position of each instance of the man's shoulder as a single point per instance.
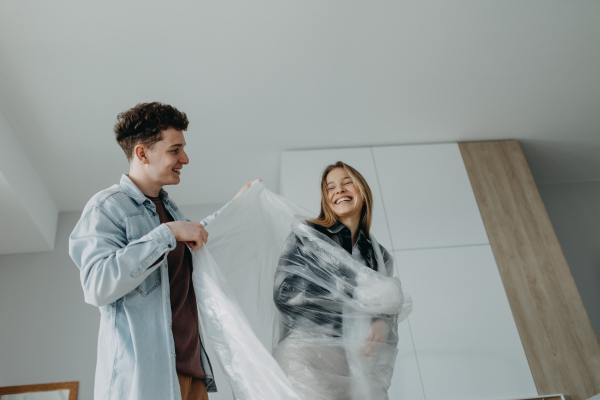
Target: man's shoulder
(111, 194)
(112, 200)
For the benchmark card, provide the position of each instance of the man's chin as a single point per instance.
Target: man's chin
(174, 181)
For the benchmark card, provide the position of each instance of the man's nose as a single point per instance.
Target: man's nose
(185, 159)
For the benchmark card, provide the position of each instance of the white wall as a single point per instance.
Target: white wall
(574, 209)
(48, 333)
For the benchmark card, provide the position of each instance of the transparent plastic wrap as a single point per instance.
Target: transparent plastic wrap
(332, 310)
(339, 318)
(252, 373)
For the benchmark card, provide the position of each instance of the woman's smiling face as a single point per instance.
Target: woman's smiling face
(344, 197)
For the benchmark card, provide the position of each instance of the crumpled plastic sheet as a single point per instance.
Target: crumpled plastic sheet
(266, 280)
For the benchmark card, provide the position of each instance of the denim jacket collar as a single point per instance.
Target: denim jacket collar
(136, 194)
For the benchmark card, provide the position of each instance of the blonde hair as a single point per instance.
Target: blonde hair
(327, 217)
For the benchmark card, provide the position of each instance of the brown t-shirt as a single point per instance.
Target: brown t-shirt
(186, 331)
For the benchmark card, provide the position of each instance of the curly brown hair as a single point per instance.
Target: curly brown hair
(144, 123)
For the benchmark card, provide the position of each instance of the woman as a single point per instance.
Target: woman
(338, 299)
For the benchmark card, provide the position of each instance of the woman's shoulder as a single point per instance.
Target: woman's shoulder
(308, 222)
(319, 228)
(383, 250)
(388, 260)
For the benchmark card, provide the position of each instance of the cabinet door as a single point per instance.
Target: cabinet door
(465, 337)
(428, 197)
(406, 382)
(301, 177)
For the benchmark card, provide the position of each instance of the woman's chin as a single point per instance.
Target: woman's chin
(344, 213)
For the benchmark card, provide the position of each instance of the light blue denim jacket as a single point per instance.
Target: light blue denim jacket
(114, 244)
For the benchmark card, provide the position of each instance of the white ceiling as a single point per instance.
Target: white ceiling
(259, 77)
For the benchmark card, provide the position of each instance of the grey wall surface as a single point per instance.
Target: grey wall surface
(574, 209)
(48, 333)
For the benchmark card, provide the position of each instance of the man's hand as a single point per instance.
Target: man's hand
(192, 234)
(244, 188)
(378, 334)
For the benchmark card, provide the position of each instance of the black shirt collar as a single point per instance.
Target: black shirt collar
(341, 234)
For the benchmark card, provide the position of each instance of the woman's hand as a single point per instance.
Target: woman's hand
(378, 334)
(244, 188)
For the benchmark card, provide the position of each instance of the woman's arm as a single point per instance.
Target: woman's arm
(302, 287)
(384, 328)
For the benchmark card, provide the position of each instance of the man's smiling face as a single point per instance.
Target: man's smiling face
(166, 158)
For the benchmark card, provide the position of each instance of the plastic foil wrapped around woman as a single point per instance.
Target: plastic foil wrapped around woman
(339, 318)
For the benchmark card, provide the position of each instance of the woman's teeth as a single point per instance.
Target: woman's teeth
(343, 200)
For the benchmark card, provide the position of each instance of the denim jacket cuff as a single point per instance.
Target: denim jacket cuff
(163, 235)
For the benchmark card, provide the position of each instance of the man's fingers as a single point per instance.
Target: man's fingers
(203, 235)
(194, 245)
(192, 234)
(246, 187)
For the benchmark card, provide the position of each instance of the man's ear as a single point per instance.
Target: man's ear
(139, 152)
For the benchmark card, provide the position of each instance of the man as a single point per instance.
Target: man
(131, 246)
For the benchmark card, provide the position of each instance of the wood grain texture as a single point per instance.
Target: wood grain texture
(548, 397)
(560, 344)
(43, 387)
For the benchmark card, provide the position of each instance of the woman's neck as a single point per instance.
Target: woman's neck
(352, 222)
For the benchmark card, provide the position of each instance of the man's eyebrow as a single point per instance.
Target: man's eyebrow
(178, 145)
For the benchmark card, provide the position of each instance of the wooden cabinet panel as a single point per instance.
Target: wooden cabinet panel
(560, 343)
(428, 197)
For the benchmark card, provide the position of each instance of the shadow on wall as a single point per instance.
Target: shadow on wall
(574, 209)
(555, 161)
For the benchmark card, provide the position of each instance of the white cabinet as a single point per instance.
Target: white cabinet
(465, 337)
(428, 197)
(406, 382)
(301, 178)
